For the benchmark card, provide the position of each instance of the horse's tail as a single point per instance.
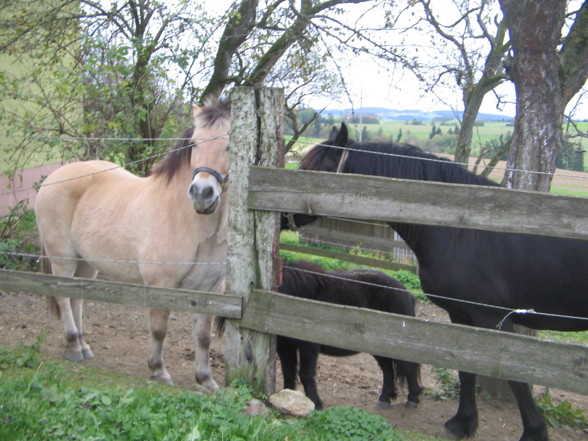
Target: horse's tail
(52, 305)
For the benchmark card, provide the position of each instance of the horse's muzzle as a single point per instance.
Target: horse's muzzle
(207, 210)
(205, 193)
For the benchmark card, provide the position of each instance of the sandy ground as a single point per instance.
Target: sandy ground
(118, 335)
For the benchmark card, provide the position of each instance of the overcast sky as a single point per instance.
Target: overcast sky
(370, 85)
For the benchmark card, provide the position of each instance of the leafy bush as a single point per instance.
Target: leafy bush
(448, 384)
(562, 414)
(352, 424)
(408, 279)
(18, 234)
(45, 401)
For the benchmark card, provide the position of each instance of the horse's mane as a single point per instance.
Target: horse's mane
(402, 161)
(303, 277)
(216, 112)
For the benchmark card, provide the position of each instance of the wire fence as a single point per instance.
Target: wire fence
(508, 312)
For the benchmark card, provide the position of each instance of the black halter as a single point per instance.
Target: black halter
(213, 172)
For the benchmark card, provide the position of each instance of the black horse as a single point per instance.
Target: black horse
(365, 289)
(505, 271)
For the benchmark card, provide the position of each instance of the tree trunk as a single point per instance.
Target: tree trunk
(464, 140)
(535, 31)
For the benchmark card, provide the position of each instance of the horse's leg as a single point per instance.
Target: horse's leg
(201, 331)
(465, 421)
(158, 327)
(388, 390)
(308, 359)
(410, 372)
(68, 312)
(534, 426)
(288, 352)
(73, 348)
(86, 271)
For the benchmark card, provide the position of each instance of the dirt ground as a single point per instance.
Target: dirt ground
(119, 337)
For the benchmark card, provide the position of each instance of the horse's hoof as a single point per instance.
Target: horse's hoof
(447, 434)
(76, 357)
(411, 405)
(162, 379)
(210, 385)
(87, 354)
(383, 405)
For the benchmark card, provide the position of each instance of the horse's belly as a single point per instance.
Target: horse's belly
(205, 277)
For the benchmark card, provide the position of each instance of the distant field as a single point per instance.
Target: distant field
(419, 134)
(569, 183)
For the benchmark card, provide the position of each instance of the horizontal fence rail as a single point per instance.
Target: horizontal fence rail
(398, 200)
(482, 351)
(360, 260)
(366, 240)
(225, 305)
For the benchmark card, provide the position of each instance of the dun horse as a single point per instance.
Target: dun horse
(364, 289)
(507, 272)
(167, 230)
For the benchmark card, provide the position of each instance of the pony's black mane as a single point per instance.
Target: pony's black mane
(216, 111)
(402, 161)
(305, 277)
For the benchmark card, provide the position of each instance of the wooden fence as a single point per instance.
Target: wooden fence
(259, 190)
(375, 237)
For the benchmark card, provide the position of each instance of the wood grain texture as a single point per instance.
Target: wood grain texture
(224, 305)
(418, 202)
(489, 352)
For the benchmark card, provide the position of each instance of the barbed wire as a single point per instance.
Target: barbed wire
(299, 141)
(127, 164)
(39, 257)
(508, 311)
(444, 161)
(303, 142)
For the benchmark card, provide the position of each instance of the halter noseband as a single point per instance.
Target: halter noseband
(213, 172)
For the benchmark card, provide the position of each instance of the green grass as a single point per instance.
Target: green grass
(580, 337)
(53, 400)
(568, 192)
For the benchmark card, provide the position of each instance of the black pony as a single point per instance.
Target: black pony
(365, 289)
(507, 271)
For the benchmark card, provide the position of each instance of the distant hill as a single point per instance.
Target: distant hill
(409, 115)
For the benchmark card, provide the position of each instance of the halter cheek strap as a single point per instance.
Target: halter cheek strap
(213, 172)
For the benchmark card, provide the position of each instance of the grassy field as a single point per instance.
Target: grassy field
(419, 134)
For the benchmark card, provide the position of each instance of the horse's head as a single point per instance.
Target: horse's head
(324, 158)
(210, 155)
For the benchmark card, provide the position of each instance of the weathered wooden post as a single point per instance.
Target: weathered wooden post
(256, 139)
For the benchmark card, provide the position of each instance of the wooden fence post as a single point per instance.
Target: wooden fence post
(256, 139)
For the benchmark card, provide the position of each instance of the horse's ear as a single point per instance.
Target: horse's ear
(342, 136)
(196, 109)
(333, 134)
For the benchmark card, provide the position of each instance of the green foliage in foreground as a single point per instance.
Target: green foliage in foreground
(43, 401)
(561, 414)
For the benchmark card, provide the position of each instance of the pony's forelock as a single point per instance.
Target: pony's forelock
(216, 112)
